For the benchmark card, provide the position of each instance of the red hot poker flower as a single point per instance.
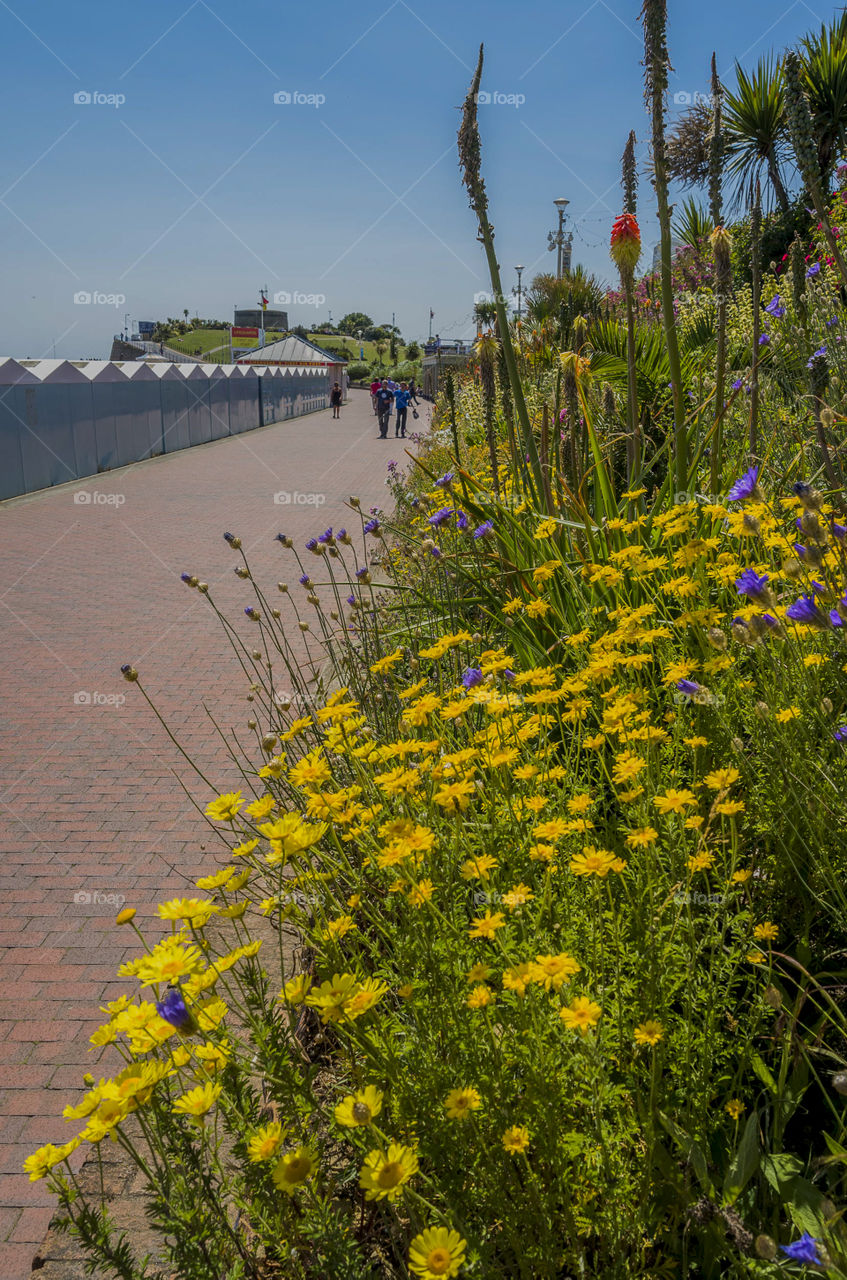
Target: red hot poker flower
(626, 242)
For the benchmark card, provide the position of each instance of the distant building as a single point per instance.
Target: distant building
(255, 318)
(676, 245)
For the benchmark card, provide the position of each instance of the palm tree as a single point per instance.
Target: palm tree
(824, 58)
(754, 117)
(693, 225)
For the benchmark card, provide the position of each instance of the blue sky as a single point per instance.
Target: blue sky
(198, 188)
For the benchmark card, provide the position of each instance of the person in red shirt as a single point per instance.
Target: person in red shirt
(375, 386)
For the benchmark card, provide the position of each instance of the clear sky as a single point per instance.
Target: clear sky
(199, 187)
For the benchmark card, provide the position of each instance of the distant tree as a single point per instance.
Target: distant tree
(377, 333)
(393, 347)
(381, 348)
(185, 312)
(353, 322)
(412, 351)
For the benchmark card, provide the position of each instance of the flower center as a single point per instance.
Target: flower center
(390, 1174)
(361, 1113)
(438, 1261)
(297, 1169)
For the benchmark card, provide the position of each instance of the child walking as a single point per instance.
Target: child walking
(335, 400)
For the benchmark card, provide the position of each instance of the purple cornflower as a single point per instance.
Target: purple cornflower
(362, 573)
(838, 530)
(351, 600)
(326, 537)
(803, 1250)
(445, 481)
(752, 584)
(688, 687)
(764, 339)
(775, 308)
(800, 550)
(485, 530)
(840, 734)
(816, 355)
(738, 384)
(770, 620)
(814, 270)
(371, 526)
(835, 618)
(312, 544)
(804, 610)
(252, 613)
(461, 520)
(435, 552)
(441, 517)
(831, 322)
(186, 577)
(472, 677)
(305, 580)
(174, 1009)
(745, 487)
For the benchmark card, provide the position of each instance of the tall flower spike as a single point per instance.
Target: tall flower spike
(716, 148)
(629, 175)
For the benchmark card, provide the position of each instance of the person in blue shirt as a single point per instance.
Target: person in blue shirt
(401, 404)
(384, 399)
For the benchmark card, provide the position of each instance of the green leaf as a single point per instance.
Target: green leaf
(690, 1149)
(745, 1161)
(780, 1170)
(805, 1207)
(763, 1072)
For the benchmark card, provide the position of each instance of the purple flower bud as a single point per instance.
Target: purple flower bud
(814, 270)
(485, 530)
(472, 677)
(461, 520)
(371, 526)
(751, 584)
(745, 487)
(806, 1248)
(804, 610)
(441, 517)
(688, 687)
(174, 1010)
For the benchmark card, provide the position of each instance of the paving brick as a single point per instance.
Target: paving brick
(90, 803)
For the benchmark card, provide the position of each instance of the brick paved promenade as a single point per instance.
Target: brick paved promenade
(88, 800)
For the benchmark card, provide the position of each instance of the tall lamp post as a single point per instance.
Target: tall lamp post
(518, 290)
(558, 240)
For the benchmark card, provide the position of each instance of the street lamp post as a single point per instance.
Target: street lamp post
(518, 290)
(558, 240)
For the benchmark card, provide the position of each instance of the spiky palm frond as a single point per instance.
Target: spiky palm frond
(693, 225)
(757, 135)
(825, 74)
(688, 146)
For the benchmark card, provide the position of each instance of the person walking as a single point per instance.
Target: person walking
(401, 404)
(384, 400)
(335, 400)
(375, 386)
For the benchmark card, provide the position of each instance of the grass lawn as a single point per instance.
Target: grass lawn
(214, 344)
